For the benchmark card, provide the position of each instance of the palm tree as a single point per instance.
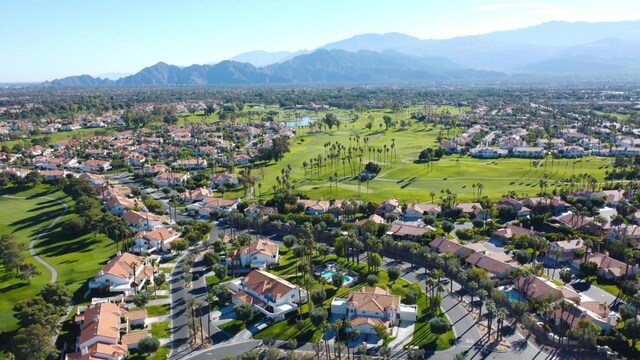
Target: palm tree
(191, 306)
(324, 327)
(491, 312)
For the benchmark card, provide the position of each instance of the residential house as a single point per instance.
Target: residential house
(94, 165)
(101, 326)
(166, 179)
(529, 152)
(142, 220)
(389, 207)
(268, 294)
(210, 204)
(451, 246)
(158, 240)
(498, 264)
(117, 205)
(191, 164)
(94, 179)
(608, 267)
(222, 179)
(474, 210)
(555, 203)
(596, 312)
(515, 205)
(257, 255)
(535, 287)
(195, 195)
(506, 234)
(484, 152)
(580, 223)
(125, 273)
(51, 175)
(241, 159)
(408, 231)
(373, 306)
(416, 211)
(563, 251)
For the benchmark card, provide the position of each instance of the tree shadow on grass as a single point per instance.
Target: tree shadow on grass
(35, 221)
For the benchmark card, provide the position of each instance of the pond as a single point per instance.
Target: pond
(304, 121)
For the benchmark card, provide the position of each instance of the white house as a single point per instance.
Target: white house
(257, 255)
(125, 273)
(159, 239)
(139, 220)
(222, 179)
(100, 333)
(372, 306)
(166, 179)
(272, 296)
(488, 152)
(416, 211)
(191, 164)
(117, 205)
(209, 204)
(529, 152)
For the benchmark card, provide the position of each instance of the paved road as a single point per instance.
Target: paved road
(32, 244)
(467, 336)
(180, 346)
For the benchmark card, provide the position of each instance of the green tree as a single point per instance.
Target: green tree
(374, 261)
(244, 312)
(36, 311)
(371, 279)
(438, 325)
(447, 226)
(588, 268)
(11, 252)
(220, 271)
(337, 279)
(586, 333)
(394, 273)
(28, 271)
(158, 280)
(34, 342)
(56, 294)
(565, 275)
(148, 345)
(318, 296)
(317, 316)
(141, 300)
(221, 293)
(210, 258)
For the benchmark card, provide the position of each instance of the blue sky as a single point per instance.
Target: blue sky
(48, 39)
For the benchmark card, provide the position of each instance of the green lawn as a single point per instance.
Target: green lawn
(56, 137)
(76, 259)
(233, 327)
(401, 177)
(161, 330)
(161, 354)
(610, 287)
(156, 310)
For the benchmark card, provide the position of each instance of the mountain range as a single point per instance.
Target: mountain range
(549, 49)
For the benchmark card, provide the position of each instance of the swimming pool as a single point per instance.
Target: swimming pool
(514, 295)
(328, 274)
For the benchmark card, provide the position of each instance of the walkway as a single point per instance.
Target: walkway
(32, 244)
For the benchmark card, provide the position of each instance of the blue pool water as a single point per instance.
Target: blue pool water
(328, 274)
(513, 295)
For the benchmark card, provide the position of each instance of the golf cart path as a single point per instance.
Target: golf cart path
(32, 250)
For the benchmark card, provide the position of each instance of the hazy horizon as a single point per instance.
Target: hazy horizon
(46, 40)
